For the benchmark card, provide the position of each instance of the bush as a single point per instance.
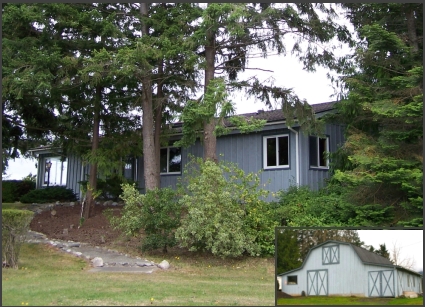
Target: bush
(50, 194)
(300, 206)
(12, 190)
(224, 212)
(15, 224)
(110, 188)
(157, 213)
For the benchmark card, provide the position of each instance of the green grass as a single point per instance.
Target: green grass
(349, 301)
(16, 205)
(48, 277)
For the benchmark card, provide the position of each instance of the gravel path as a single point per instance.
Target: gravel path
(111, 261)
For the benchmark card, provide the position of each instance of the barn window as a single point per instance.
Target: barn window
(330, 254)
(276, 151)
(292, 280)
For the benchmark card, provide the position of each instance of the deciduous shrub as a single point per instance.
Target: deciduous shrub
(156, 213)
(330, 206)
(50, 194)
(12, 190)
(224, 211)
(15, 224)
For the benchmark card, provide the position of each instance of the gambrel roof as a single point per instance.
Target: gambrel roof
(365, 256)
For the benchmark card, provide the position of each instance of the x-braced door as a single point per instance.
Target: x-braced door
(381, 283)
(317, 282)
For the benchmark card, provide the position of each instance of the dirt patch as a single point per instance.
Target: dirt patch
(95, 231)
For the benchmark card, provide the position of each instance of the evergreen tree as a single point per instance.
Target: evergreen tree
(381, 161)
(288, 255)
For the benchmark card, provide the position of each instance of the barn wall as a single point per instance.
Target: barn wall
(406, 281)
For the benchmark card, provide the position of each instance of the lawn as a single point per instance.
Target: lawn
(48, 277)
(349, 301)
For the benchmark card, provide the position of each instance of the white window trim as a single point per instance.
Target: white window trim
(318, 154)
(277, 152)
(168, 161)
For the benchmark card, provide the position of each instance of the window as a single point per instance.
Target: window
(318, 149)
(330, 254)
(170, 160)
(292, 280)
(54, 171)
(276, 151)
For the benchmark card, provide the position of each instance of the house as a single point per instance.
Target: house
(336, 268)
(286, 156)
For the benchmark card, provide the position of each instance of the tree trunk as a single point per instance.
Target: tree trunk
(89, 205)
(210, 140)
(411, 29)
(149, 159)
(158, 117)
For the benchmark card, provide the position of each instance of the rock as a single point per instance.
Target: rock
(68, 250)
(57, 203)
(65, 231)
(72, 204)
(144, 263)
(164, 265)
(71, 226)
(78, 254)
(73, 244)
(53, 212)
(114, 204)
(97, 262)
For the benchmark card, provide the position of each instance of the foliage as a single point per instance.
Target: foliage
(30, 177)
(109, 188)
(12, 190)
(288, 255)
(156, 214)
(15, 224)
(329, 206)
(381, 162)
(50, 194)
(224, 211)
(381, 251)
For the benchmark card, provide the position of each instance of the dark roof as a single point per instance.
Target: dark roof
(271, 116)
(277, 115)
(370, 257)
(365, 256)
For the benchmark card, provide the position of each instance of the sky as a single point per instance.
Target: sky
(409, 241)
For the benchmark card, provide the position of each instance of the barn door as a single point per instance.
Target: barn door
(317, 282)
(381, 283)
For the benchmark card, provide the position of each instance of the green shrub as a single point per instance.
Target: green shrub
(50, 194)
(330, 206)
(12, 190)
(15, 224)
(109, 188)
(157, 213)
(224, 211)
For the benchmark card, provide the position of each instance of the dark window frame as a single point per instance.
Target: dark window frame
(168, 172)
(317, 152)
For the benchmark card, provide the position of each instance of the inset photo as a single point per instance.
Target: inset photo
(335, 266)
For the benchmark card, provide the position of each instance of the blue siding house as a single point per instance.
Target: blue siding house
(286, 156)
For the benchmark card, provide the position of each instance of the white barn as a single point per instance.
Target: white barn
(336, 268)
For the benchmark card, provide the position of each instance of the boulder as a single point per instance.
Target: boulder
(97, 262)
(164, 265)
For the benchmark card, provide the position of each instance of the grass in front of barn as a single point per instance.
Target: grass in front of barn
(315, 300)
(48, 277)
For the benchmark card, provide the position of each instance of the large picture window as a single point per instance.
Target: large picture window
(170, 160)
(54, 171)
(319, 147)
(276, 151)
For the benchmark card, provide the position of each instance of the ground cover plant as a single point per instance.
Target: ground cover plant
(55, 278)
